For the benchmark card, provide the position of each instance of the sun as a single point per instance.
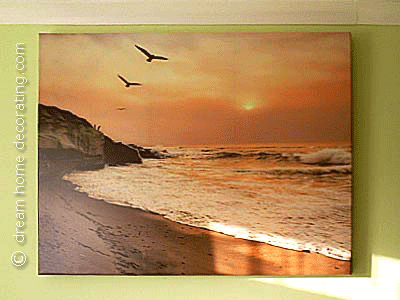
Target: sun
(248, 106)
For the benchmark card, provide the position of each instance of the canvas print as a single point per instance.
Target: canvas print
(195, 153)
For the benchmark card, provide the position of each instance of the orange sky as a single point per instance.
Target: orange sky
(216, 88)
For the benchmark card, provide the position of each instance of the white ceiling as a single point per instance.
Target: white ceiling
(382, 12)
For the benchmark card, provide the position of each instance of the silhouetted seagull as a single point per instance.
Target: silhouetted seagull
(121, 108)
(150, 56)
(127, 83)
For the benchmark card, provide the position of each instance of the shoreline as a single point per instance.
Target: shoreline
(79, 234)
(271, 242)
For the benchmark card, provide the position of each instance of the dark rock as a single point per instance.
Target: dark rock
(117, 153)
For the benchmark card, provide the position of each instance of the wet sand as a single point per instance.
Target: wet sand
(82, 235)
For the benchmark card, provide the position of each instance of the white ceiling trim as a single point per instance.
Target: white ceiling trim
(382, 12)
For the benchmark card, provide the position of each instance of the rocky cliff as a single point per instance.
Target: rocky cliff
(63, 135)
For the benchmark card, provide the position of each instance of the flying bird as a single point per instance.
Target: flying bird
(150, 56)
(127, 83)
(121, 108)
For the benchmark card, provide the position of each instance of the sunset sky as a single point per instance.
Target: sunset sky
(216, 88)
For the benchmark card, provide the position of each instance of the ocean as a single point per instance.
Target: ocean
(292, 196)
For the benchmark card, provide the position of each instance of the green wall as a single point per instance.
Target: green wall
(376, 141)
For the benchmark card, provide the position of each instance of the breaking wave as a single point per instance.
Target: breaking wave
(323, 157)
(327, 157)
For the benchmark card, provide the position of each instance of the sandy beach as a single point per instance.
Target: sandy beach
(82, 235)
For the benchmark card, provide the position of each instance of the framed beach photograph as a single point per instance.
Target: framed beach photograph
(195, 153)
